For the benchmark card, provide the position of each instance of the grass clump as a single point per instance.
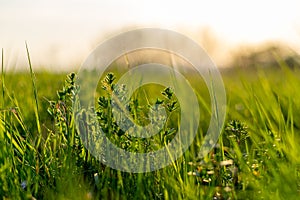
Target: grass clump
(256, 157)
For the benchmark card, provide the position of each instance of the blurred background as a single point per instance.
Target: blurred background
(61, 34)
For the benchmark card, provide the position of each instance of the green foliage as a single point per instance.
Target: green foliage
(136, 113)
(256, 157)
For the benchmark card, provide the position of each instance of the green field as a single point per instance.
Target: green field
(257, 156)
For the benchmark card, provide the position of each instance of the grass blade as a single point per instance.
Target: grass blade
(36, 108)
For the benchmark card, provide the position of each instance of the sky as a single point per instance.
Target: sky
(61, 34)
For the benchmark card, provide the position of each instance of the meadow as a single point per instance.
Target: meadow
(257, 155)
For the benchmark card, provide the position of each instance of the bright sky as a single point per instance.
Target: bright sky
(62, 33)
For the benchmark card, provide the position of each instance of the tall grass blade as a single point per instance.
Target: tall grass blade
(36, 108)
(2, 76)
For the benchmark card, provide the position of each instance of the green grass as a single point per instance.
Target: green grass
(42, 155)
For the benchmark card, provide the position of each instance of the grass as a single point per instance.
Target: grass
(257, 156)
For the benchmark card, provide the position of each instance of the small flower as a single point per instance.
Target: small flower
(24, 185)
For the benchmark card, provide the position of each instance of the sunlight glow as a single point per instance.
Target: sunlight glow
(61, 33)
